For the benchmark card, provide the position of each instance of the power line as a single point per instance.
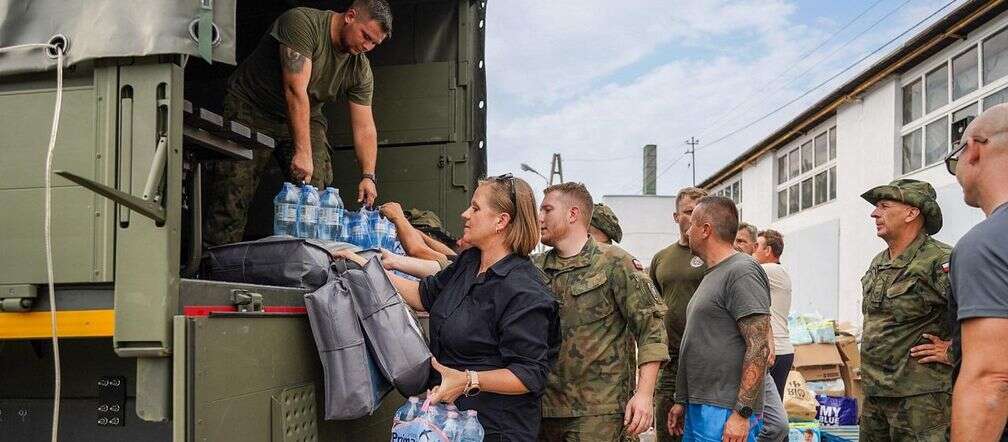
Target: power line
(784, 72)
(839, 48)
(824, 82)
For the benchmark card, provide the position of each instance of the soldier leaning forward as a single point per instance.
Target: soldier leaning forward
(905, 306)
(606, 303)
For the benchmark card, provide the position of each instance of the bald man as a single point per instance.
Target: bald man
(979, 276)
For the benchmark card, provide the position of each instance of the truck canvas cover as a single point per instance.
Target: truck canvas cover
(111, 28)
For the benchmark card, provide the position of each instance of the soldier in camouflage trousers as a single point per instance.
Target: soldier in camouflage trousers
(235, 182)
(607, 304)
(905, 310)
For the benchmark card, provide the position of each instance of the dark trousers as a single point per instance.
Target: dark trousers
(781, 367)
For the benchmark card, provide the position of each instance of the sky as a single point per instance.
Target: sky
(597, 80)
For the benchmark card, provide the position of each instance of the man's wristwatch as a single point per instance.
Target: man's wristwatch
(369, 176)
(744, 411)
(472, 386)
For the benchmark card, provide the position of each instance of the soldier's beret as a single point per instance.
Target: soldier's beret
(605, 220)
(916, 193)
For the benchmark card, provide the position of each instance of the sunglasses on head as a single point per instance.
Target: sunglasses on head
(510, 179)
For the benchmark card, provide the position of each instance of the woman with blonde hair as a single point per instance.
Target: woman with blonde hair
(494, 324)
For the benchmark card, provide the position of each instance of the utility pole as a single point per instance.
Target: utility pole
(556, 169)
(692, 142)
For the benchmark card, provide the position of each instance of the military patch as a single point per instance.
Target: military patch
(696, 262)
(637, 265)
(945, 267)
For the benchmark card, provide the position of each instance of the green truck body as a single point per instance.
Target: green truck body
(150, 351)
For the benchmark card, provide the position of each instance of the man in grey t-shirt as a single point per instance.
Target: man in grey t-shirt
(724, 350)
(979, 276)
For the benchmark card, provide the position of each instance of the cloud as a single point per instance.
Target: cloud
(555, 50)
(596, 83)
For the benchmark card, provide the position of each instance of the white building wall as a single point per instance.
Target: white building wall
(828, 247)
(646, 221)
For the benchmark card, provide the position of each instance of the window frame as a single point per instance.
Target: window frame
(782, 189)
(978, 97)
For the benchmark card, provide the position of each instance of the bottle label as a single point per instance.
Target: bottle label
(330, 216)
(309, 213)
(287, 212)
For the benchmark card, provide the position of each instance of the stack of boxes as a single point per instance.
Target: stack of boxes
(832, 369)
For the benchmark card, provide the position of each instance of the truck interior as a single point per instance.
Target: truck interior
(140, 335)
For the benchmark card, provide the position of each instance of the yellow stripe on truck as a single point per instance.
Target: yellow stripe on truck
(69, 324)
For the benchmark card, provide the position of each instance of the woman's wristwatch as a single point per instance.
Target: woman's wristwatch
(472, 387)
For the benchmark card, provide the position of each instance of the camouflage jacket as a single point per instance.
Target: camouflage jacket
(606, 305)
(904, 298)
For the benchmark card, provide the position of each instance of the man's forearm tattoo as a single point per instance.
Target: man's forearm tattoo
(754, 329)
(292, 60)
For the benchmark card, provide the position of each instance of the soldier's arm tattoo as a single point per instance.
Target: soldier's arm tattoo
(754, 329)
(291, 60)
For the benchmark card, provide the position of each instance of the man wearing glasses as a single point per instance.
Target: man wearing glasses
(979, 276)
(308, 58)
(906, 370)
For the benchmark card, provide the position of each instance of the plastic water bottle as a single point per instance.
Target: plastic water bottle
(308, 212)
(285, 211)
(472, 430)
(330, 224)
(451, 427)
(408, 411)
(385, 235)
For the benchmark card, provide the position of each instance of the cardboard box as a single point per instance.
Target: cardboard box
(852, 386)
(850, 354)
(818, 362)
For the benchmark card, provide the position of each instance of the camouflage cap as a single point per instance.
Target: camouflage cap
(916, 193)
(429, 223)
(605, 220)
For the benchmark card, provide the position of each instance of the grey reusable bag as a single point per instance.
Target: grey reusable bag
(276, 260)
(354, 386)
(391, 330)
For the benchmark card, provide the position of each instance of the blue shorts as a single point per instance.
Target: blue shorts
(705, 423)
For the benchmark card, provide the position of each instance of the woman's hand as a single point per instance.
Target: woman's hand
(453, 384)
(390, 260)
(349, 256)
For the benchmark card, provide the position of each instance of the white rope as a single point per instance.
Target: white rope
(48, 224)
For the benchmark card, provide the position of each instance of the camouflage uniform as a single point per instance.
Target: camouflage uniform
(905, 297)
(604, 219)
(606, 304)
(233, 183)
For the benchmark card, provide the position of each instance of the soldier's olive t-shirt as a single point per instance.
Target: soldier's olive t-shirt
(335, 75)
(710, 358)
(676, 272)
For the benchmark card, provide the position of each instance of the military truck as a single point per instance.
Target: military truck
(149, 351)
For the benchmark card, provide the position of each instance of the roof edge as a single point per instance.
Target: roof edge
(934, 38)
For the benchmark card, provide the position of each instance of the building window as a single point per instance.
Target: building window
(912, 151)
(732, 190)
(999, 97)
(954, 88)
(936, 138)
(912, 102)
(937, 88)
(995, 57)
(806, 173)
(964, 74)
